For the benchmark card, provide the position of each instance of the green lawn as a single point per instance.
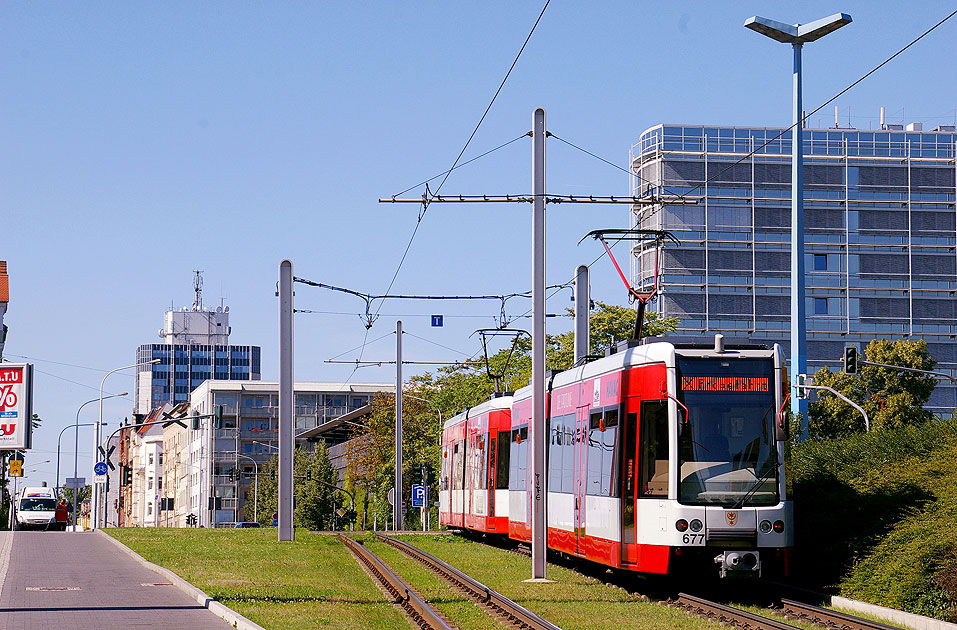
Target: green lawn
(309, 583)
(314, 582)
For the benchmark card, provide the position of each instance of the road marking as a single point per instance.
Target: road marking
(53, 588)
(156, 584)
(5, 550)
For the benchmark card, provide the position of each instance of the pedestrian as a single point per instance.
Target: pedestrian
(60, 515)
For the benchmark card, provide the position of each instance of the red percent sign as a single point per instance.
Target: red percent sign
(8, 398)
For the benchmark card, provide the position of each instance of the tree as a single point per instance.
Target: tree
(314, 502)
(892, 398)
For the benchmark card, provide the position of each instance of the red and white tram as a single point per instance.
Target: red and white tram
(659, 456)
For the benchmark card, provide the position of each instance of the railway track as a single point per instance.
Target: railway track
(830, 618)
(415, 607)
(727, 615)
(505, 610)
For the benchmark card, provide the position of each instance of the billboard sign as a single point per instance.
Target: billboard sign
(16, 406)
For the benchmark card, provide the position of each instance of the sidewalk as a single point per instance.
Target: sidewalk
(81, 580)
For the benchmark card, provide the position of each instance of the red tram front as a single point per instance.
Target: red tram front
(659, 456)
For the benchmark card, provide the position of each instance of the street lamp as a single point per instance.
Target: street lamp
(797, 35)
(76, 446)
(95, 520)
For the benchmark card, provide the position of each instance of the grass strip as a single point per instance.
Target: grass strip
(307, 583)
(573, 601)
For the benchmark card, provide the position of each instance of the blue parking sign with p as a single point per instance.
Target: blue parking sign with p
(418, 495)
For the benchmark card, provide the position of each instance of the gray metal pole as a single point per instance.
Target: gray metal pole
(286, 531)
(397, 515)
(537, 432)
(582, 304)
(798, 307)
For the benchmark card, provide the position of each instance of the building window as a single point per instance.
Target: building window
(820, 306)
(820, 262)
(160, 459)
(149, 508)
(149, 483)
(151, 459)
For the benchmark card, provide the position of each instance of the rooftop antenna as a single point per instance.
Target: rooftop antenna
(198, 291)
(658, 237)
(496, 332)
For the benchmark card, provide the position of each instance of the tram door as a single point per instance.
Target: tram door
(490, 480)
(629, 474)
(579, 471)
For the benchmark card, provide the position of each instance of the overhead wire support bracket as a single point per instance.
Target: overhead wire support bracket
(640, 201)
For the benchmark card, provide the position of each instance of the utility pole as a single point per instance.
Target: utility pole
(397, 515)
(538, 200)
(286, 531)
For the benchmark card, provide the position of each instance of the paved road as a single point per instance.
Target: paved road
(80, 580)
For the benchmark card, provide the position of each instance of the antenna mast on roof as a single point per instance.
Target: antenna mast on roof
(198, 291)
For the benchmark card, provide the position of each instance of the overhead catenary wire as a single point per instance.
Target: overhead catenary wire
(465, 147)
(781, 133)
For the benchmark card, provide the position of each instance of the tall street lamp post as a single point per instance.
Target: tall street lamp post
(98, 501)
(797, 35)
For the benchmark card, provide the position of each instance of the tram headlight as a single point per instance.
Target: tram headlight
(696, 525)
(778, 527)
(681, 525)
(765, 527)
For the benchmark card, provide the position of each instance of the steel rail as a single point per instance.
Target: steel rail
(511, 613)
(830, 618)
(417, 609)
(728, 615)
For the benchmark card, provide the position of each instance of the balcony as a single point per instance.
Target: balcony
(222, 480)
(224, 456)
(230, 434)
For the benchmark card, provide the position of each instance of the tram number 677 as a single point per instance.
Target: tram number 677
(692, 539)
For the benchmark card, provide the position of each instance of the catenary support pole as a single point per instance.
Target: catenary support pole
(286, 531)
(798, 307)
(537, 433)
(582, 305)
(397, 515)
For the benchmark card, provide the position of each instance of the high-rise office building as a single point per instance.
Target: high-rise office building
(880, 235)
(195, 349)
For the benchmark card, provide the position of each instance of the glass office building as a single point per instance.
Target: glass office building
(184, 367)
(880, 235)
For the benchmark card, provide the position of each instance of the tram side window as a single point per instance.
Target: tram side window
(602, 457)
(561, 453)
(518, 459)
(502, 467)
(458, 463)
(481, 463)
(653, 436)
(445, 469)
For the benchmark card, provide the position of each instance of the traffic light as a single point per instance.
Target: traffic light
(308, 475)
(272, 475)
(232, 474)
(195, 422)
(350, 516)
(850, 360)
(126, 475)
(218, 417)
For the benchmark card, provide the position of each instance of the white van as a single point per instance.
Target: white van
(36, 509)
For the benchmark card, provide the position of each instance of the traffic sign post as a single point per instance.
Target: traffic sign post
(418, 501)
(16, 468)
(75, 483)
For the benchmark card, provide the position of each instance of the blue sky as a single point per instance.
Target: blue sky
(142, 141)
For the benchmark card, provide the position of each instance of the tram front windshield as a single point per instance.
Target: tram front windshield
(726, 448)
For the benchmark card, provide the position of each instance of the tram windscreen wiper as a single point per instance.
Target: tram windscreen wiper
(760, 480)
(766, 474)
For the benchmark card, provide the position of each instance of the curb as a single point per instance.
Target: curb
(909, 620)
(220, 610)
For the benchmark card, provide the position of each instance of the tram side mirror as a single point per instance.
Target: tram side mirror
(682, 421)
(781, 427)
